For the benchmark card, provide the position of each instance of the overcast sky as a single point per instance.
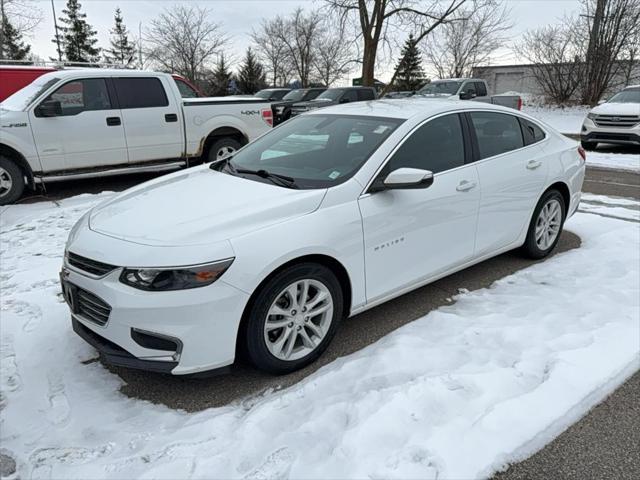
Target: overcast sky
(238, 17)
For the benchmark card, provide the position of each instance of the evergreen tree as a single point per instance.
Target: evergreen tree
(251, 76)
(12, 47)
(219, 82)
(77, 38)
(122, 50)
(410, 75)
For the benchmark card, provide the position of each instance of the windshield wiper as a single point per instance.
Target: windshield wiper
(282, 180)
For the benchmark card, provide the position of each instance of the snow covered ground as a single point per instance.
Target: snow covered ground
(564, 119)
(458, 393)
(617, 161)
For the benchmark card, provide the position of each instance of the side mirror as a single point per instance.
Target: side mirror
(49, 108)
(468, 95)
(404, 179)
(600, 102)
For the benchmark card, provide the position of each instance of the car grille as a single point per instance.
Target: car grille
(618, 121)
(91, 307)
(90, 266)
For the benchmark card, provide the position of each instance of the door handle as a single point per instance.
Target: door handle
(533, 164)
(465, 185)
(113, 121)
(171, 117)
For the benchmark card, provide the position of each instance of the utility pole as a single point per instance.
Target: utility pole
(55, 25)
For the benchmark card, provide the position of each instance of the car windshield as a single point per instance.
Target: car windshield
(331, 94)
(317, 151)
(25, 96)
(294, 95)
(440, 88)
(626, 96)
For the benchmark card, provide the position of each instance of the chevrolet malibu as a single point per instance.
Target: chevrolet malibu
(332, 213)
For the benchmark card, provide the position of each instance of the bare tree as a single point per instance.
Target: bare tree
(456, 47)
(613, 27)
(183, 40)
(376, 20)
(554, 53)
(272, 51)
(334, 55)
(23, 16)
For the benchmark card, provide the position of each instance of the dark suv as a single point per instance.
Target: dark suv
(335, 96)
(282, 109)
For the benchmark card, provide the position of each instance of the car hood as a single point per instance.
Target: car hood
(617, 109)
(198, 207)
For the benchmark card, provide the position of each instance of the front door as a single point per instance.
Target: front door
(411, 235)
(87, 133)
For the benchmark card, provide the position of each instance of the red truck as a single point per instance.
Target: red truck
(15, 77)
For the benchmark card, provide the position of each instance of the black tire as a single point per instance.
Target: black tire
(254, 341)
(531, 248)
(588, 145)
(226, 143)
(12, 181)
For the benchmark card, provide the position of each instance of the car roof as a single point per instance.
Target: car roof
(406, 108)
(72, 72)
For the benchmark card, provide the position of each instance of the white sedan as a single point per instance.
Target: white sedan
(329, 214)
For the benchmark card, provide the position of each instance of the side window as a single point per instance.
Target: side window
(531, 132)
(481, 89)
(350, 96)
(469, 87)
(496, 132)
(311, 94)
(365, 94)
(185, 89)
(82, 95)
(437, 146)
(139, 92)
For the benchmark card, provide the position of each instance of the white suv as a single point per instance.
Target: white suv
(615, 121)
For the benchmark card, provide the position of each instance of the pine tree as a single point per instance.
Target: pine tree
(251, 76)
(410, 75)
(122, 50)
(77, 38)
(219, 82)
(12, 47)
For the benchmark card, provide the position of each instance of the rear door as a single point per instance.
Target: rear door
(87, 133)
(512, 170)
(151, 118)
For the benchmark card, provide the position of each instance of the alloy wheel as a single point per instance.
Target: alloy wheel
(548, 224)
(298, 319)
(6, 182)
(224, 152)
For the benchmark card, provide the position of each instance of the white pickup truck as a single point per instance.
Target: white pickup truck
(84, 123)
(468, 89)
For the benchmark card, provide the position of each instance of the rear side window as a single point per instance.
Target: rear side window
(531, 132)
(82, 95)
(436, 146)
(137, 92)
(481, 89)
(365, 94)
(496, 133)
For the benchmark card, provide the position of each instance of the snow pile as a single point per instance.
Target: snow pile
(617, 161)
(455, 394)
(566, 120)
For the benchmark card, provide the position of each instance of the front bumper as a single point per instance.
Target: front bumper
(593, 133)
(201, 323)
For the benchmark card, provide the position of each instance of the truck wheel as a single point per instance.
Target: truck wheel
(588, 145)
(222, 148)
(11, 181)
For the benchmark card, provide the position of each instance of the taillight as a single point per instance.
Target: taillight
(267, 116)
(582, 153)
(519, 103)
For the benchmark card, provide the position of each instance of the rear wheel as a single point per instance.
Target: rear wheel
(11, 181)
(223, 148)
(588, 145)
(293, 318)
(546, 225)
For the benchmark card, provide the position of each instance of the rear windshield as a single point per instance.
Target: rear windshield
(25, 96)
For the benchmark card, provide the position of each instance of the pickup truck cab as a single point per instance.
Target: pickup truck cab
(94, 122)
(467, 89)
(335, 96)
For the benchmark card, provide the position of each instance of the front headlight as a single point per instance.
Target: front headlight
(181, 278)
(591, 116)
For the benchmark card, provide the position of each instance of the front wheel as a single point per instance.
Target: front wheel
(11, 181)
(293, 318)
(546, 225)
